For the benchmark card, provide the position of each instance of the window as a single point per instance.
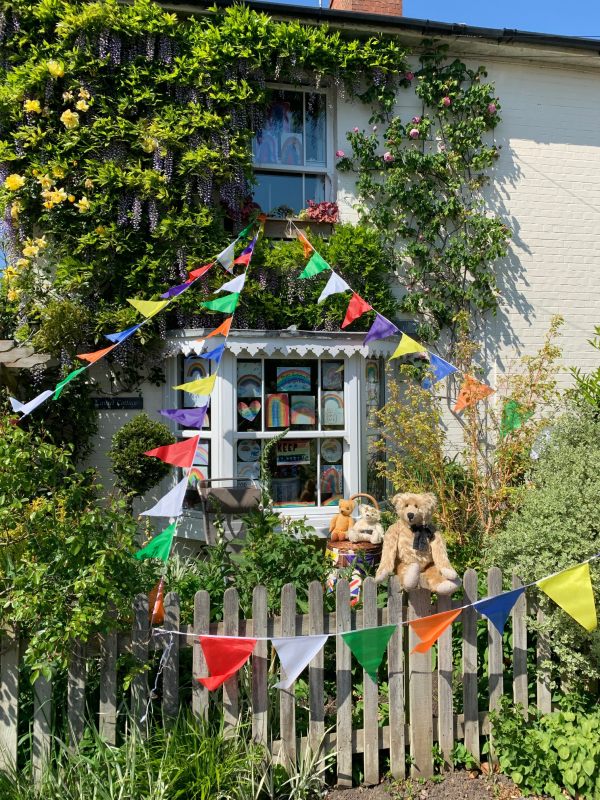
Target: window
(291, 153)
(195, 368)
(307, 396)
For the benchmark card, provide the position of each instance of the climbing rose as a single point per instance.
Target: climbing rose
(69, 119)
(14, 182)
(414, 133)
(446, 101)
(339, 154)
(388, 157)
(492, 108)
(32, 106)
(355, 130)
(416, 120)
(56, 69)
(409, 76)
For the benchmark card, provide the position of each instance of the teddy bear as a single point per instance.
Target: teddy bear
(368, 527)
(342, 522)
(414, 550)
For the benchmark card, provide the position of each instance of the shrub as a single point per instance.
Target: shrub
(136, 473)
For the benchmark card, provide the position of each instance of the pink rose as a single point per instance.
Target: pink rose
(446, 102)
(414, 133)
(388, 157)
(355, 130)
(339, 154)
(409, 76)
(416, 120)
(492, 108)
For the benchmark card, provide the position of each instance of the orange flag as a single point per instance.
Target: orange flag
(429, 629)
(222, 330)
(93, 357)
(308, 248)
(156, 605)
(471, 392)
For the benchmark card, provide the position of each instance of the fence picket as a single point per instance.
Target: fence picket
(170, 699)
(420, 692)
(231, 619)
(495, 657)
(139, 650)
(370, 693)
(543, 691)
(471, 710)
(42, 725)
(9, 701)
(343, 658)
(396, 681)
(76, 695)
(260, 700)
(519, 654)
(316, 669)
(287, 697)
(444, 679)
(199, 670)
(107, 712)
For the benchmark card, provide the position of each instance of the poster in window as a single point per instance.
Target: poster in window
(373, 384)
(248, 450)
(249, 411)
(194, 368)
(249, 379)
(303, 410)
(332, 375)
(332, 408)
(332, 480)
(332, 450)
(278, 410)
(200, 467)
(293, 379)
(293, 452)
(248, 470)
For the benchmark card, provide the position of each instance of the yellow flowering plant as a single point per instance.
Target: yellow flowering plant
(14, 182)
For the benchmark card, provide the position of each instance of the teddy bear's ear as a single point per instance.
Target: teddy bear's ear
(397, 501)
(431, 501)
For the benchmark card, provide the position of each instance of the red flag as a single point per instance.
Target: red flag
(198, 273)
(356, 309)
(471, 392)
(224, 657)
(156, 603)
(93, 357)
(429, 629)
(180, 454)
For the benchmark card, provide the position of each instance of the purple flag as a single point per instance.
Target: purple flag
(380, 329)
(497, 608)
(188, 417)
(440, 369)
(173, 291)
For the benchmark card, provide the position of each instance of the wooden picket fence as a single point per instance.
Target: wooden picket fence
(420, 686)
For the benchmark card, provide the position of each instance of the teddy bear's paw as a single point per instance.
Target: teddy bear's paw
(381, 575)
(353, 536)
(449, 573)
(447, 587)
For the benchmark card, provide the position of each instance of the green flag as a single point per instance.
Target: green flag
(160, 546)
(246, 230)
(369, 646)
(315, 265)
(60, 386)
(513, 416)
(226, 304)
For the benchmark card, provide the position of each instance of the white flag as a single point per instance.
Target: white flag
(335, 284)
(27, 408)
(169, 505)
(235, 285)
(226, 257)
(295, 653)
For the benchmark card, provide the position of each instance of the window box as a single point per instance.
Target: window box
(277, 228)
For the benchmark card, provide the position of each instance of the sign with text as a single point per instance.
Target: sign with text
(117, 403)
(293, 452)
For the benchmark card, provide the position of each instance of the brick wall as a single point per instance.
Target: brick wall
(392, 8)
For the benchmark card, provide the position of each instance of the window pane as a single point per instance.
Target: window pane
(279, 194)
(200, 471)
(291, 389)
(281, 139)
(249, 395)
(332, 473)
(248, 459)
(332, 395)
(195, 368)
(315, 129)
(314, 188)
(294, 470)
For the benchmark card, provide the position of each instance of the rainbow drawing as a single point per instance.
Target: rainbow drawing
(278, 410)
(196, 475)
(303, 410)
(248, 470)
(201, 457)
(194, 368)
(249, 379)
(293, 379)
(332, 479)
(332, 405)
(373, 371)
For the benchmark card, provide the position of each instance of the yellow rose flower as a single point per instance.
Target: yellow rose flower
(12, 295)
(67, 96)
(46, 182)
(15, 210)
(69, 118)
(58, 172)
(83, 205)
(32, 106)
(84, 94)
(48, 204)
(149, 145)
(81, 105)
(41, 243)
(56, 69)
(59, 195)
(11, 272)
(21, 263)
(89, 183)
(14, 182)
(100, 230)
(30, 251)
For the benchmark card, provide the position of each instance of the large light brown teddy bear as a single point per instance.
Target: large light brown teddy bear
(414, 550)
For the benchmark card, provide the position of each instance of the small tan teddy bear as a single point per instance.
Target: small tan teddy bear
(368, 527)
(414, 550)
(342, 522)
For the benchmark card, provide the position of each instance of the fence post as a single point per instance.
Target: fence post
(107, 716)
(445, 699)
(139, 650)
(519, 654)
(42, 722)
(420, 692)
(370, 693)
(316, 669)
(260, 699)
(170, 699)
(343, 657)
(396, 681)
(287, 697)
(76, 695)
(231, 627)
(470, 704)
(199, 670)
(9, 701)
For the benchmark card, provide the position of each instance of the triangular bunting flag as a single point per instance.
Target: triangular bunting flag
(497, 608)
(170, 504)
(202, 386)
(380, 329)
(26, 408)
(246, 255)
(334, 285)
(368, 646)
(406, 346)
(356, 308)
(173, 291)
(246, 232)
(513, 417)
(295, 653)
(234, 285)
(429, 629)
(306, 245)
(572, 590)
(226, 304)
(156, 604)
(159, 546)
(93, 357)
(225, 258)
(224, 657)
(188, 417)
(60, 386)
(122, 335)
(198, 273)
(222, 330)
(148, 308)
(180, 454)
(216, 354)
(315, 265)
(471, 392)
(440, 369)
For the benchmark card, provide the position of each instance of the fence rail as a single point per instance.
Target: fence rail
(421, 688)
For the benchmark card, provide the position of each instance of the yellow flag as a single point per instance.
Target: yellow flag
(572, 591)
(200, 386)
(148, 307)
(407, 346)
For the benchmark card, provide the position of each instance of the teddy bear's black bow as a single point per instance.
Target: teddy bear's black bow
(423, 535)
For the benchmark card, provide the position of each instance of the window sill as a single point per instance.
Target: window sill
(276, 228)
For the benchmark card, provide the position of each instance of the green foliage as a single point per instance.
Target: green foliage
(556, 527)
(424, 195)
(66, 570)
(587, 385)
(136, 473)
(551, 754)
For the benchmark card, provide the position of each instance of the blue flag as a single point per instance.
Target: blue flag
(215, 354)
(440, 368)
(121, 335)
(497, 608)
